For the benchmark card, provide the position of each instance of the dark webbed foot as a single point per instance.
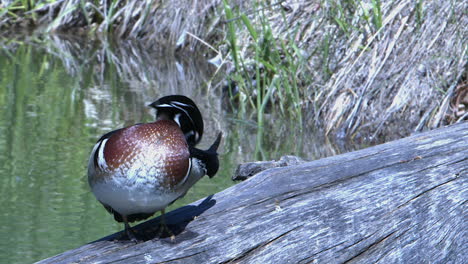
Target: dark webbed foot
(164, 230)
(131, 235)
(129, 231)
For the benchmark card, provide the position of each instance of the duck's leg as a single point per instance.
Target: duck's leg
(128, 230)
(163, 227)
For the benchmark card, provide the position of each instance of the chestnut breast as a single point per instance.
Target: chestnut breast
(154, 152)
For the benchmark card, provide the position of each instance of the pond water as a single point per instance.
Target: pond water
(57, 98)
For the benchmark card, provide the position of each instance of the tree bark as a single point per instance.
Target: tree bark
(399, 202)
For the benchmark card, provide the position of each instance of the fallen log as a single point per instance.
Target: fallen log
(399, 202)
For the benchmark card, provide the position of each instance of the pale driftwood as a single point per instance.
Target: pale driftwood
(400, 202)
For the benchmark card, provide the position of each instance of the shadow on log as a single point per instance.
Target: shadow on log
(399, 202)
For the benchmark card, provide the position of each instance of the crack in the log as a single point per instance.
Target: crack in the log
(421, 194)
(465, 159)
(400, 232)
(261, 245)
(200, 241)
(311, 258)
(390, 249)
(259, 201)
(369, 247)
(357, 242)
(449, 162)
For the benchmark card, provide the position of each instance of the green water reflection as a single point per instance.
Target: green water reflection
(56, 101)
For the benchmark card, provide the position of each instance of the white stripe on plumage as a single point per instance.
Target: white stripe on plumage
(101, 160)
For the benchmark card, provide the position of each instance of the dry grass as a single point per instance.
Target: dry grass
(388, 80)
(152, 22)
(366, 68)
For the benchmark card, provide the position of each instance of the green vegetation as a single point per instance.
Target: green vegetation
(352, 63)
(269, 72)
(352, 66)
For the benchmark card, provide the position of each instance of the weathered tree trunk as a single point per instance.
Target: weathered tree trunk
(400, 202)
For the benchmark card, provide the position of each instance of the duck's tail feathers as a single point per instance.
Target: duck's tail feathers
(209, 157)
(215, 145)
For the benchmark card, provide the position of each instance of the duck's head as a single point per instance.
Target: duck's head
(184, 112)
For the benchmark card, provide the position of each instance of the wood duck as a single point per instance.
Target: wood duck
(141, 169)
